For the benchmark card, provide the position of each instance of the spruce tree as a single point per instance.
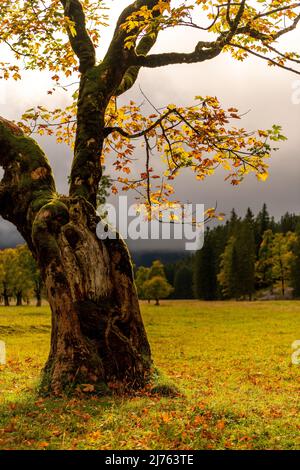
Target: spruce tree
(205, 273)
(288, 222)
(263, 267)
(262, 223)
(295, 265)
(237, 271)
(183, 283)
(226, 275)
(245, 270)
(233, 222)
(249, 217)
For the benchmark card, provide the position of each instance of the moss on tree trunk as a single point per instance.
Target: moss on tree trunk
(98, 336)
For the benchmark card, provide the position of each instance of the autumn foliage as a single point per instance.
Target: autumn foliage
(201, 137)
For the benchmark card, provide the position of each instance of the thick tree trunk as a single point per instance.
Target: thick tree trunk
(5, 297)
(38, 295)
(98, 337)
(282, 286)
(19, 299)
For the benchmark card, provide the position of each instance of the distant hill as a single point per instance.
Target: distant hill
(145, 258)
(10, 239)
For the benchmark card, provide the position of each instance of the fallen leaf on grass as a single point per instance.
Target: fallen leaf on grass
(11, 427)
(88, 388)
(43, 445)
(84, 416)
(220, 424)
(94, 436)
(166, 417)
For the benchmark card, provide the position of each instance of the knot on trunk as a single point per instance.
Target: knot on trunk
(46, 227)
(27, 183)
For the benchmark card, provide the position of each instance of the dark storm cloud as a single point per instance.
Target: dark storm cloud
(9, 236)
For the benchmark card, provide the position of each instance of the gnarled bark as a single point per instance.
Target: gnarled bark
(98, 336)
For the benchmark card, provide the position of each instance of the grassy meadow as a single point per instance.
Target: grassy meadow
(230, 360)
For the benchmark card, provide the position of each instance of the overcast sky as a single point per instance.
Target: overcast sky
(250, 86)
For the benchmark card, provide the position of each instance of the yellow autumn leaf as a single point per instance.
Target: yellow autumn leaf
(226, 165)
(262, 176)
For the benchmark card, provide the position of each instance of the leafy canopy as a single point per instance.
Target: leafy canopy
(63, 37)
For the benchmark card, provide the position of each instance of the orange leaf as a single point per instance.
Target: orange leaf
(221, 424)
(88, 388)
(43, 445)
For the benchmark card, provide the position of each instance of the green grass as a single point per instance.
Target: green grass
(231, 360)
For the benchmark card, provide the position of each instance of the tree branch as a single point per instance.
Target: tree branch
(97, 86)
(208, 50)
(203, 51)
(117, 45)
(81, 42)
(27, 184)
(121, 131)
(268, 59)
(288, 29)
(142, 49)
(276, 10)
(118, 72)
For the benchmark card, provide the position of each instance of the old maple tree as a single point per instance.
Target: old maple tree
(98, 336)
